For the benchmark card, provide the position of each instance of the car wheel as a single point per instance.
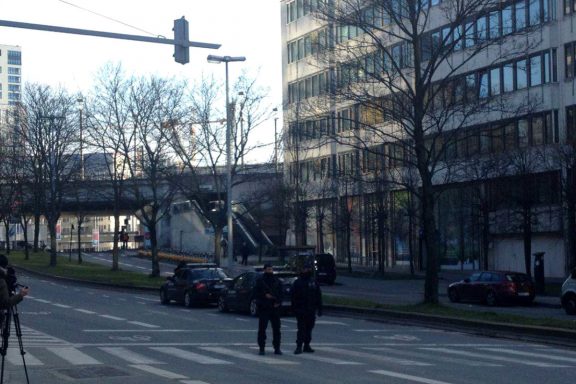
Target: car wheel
(222, 307)
(453, 295)
(188, 300)
(491, 298)
(253, 307)
(164, 297)
(569, 304)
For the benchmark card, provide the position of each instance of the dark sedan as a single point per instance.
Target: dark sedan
(239, 293)
(493, 287)
(194, 286)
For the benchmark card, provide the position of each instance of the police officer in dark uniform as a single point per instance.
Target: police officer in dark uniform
(268, 293)
(306, 303)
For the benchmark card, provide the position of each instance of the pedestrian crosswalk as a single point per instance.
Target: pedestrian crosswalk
(399, 362)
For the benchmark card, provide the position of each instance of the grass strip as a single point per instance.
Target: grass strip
(442, 310)
(39, 262)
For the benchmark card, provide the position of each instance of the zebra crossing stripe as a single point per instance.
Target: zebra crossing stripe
(329, 360)
(14, 357)
(129, 356)
(85, 311)
(159, 372)
(416, 379)
(372, 356)
(248, 356)
(191, 356)
(445, 359)
(146, 325)
(531, 354)
(74, 356)
(492, 357)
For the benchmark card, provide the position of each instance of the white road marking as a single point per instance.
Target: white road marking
(112, 317)
(328, 322)
(329, 360)
(366, 355)
(532, 354)
(15, 358)
(492, 357)
(43, 301)
(62, 306)
(248, 356)
(146, 325)
(159, 372)
(416, 379)
(193, 382)
(190, 356)
(74, 356)
(85, 311)
(129, 356)
(472, 363)
(145, 298)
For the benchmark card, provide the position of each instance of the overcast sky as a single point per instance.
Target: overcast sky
(248, 28)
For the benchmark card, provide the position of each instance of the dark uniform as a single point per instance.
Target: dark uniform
(306, 302)
(268, 293)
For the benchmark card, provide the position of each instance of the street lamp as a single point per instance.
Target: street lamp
(242, 131)
(230, 246)
(80, 101)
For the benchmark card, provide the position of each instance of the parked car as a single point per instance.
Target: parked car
(239, 293)
(194, 286)
(493, 287)
(568, 296)
(324, 266)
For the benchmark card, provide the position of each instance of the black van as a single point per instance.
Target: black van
(325, 268)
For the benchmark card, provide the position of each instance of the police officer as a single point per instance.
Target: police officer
(306, 302)
(268, 293)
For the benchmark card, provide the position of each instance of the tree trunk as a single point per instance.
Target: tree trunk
(79, 241)
(36, 231)
(571, 229)
(218, 232)
(53, 243)
(430, 234)
(154, 245)
(7, 233)
(25, 229)
(527, 239)
(115, 250)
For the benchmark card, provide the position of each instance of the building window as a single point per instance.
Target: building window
(571, 124)
(508, 76)
(521, 74)
(13, 71)
(569, 59)
(14, 58)
(535, 70)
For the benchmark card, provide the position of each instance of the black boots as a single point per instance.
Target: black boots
(308, 349)
(277, 351)
(261, 353)
(298, 350)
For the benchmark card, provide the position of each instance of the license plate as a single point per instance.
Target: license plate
(218, 286)
(523, 294)
(322, 273)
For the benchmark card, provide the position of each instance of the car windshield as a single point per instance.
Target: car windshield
(325, 259)
(212, 273)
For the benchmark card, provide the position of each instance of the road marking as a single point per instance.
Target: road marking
(144, 324)
(190, 356)
(62, 306)
(159, 372)
(491, 357)
(532, 354)
(366, 355)
(129, 356)
(416, 379)
(74, 356)
(248, 356)
(398, 337)
(15, 358)
(43, 301)
(193, 382)
(85, 311)
(113, 317)
(145, 298)
(329, 360)
(329, 322)
(425, 356)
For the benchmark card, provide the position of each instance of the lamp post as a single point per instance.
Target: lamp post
(230, 246)
(275, 141)
(70, 243)
(242, 131)
(80, 101)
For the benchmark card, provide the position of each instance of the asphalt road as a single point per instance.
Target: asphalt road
(399, 292)
(80, 334)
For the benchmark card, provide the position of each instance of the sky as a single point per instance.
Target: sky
(249, 28)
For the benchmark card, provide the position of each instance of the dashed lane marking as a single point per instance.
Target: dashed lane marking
(416, 379)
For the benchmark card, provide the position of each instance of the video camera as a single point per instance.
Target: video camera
(12, 280)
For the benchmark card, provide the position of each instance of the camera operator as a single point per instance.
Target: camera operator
(8, 295)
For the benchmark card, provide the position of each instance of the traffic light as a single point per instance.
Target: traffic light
(181, 48)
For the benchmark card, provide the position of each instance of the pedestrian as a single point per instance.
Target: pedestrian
(224, 246)
(268, 293)
(245, 251)
(306, 303)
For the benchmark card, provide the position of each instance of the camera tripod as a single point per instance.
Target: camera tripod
(9, 315)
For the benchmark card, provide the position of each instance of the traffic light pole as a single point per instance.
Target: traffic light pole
(180, 40)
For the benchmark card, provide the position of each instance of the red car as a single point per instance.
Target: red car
(493, 287)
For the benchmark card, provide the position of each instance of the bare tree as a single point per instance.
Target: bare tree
(51, 135)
